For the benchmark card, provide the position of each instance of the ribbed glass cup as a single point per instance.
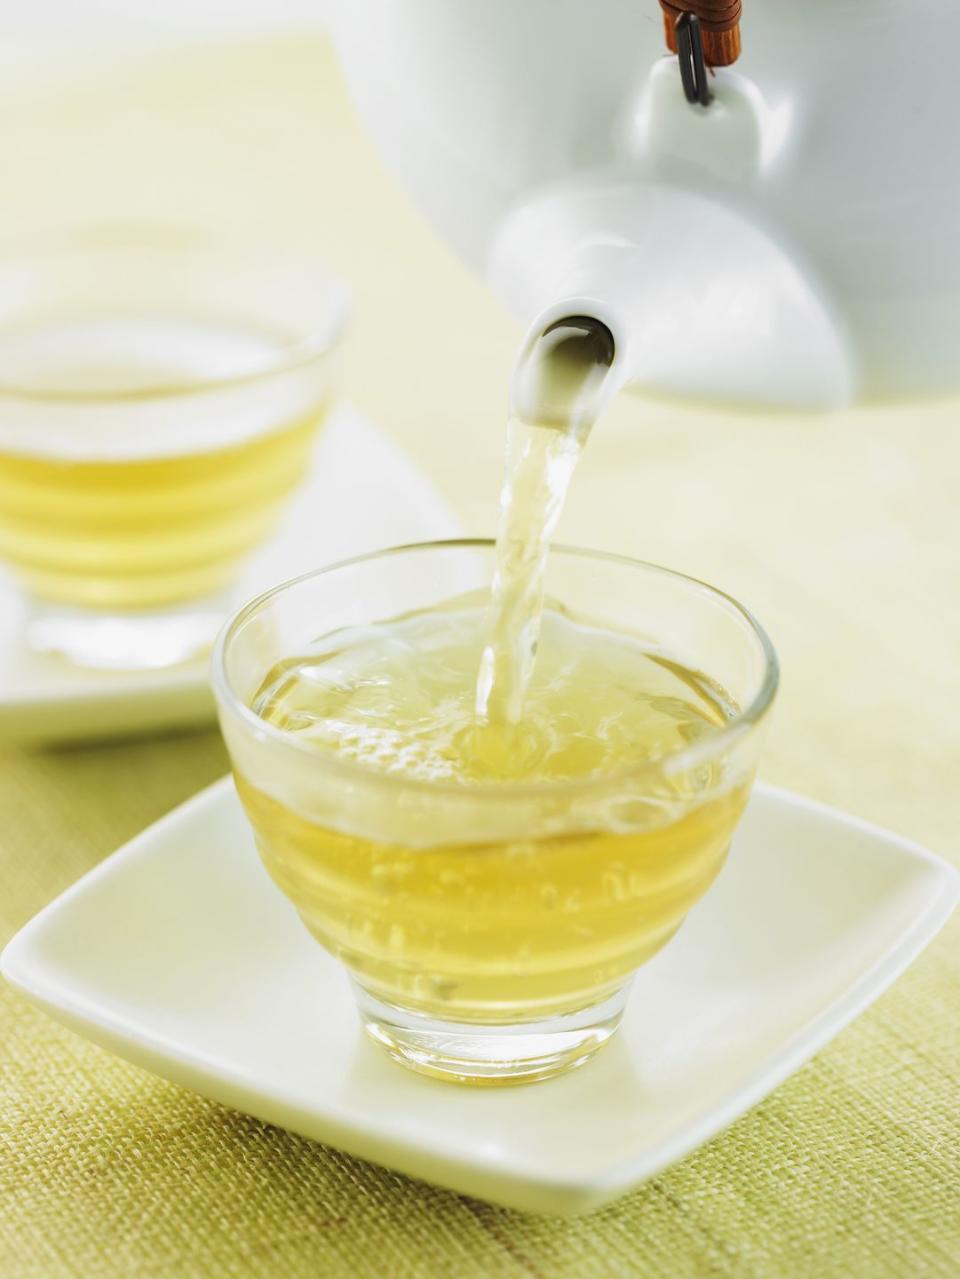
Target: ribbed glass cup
(491, 930)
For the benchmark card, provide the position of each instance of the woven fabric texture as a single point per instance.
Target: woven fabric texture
(841, 534)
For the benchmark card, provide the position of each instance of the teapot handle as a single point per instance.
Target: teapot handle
(719, 25)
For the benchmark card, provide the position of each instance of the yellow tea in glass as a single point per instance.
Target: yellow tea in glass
(159, 400)
(492, 886)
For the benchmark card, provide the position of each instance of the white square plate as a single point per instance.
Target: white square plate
(179, 954)
(361, 493)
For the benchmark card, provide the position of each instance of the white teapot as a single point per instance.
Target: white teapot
(795, 242)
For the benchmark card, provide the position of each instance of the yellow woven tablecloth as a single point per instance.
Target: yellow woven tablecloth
(843, 536)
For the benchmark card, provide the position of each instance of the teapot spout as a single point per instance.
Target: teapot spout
(703, 303)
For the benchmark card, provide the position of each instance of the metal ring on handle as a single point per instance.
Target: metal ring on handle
(693, 67)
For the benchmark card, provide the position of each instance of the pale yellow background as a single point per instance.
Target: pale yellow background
(842, 534)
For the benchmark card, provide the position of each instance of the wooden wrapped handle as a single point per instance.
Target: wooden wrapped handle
(719, 26)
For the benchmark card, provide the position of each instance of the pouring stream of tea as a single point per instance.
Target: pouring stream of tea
(564, 379)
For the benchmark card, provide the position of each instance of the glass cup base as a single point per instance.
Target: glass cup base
(134, 641)
(472, 1053)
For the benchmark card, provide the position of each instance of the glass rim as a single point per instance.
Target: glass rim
(311, 344)
(679, 761)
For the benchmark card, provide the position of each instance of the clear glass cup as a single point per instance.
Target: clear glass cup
(491, 930)
(159, 399)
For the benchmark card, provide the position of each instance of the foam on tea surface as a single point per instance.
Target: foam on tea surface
(399, 698)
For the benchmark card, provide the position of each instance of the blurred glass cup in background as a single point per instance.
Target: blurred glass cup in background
(159, 399)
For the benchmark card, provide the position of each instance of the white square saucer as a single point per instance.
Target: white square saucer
(361, 493)
(178, 953)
